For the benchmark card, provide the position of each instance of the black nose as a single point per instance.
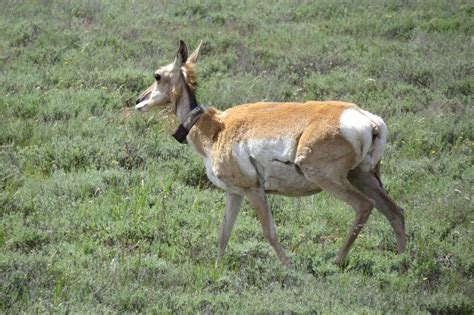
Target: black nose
(157, 76)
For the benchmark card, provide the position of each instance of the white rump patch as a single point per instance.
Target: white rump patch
(357, 126)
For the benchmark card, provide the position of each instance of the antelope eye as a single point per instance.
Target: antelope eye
(157, 76)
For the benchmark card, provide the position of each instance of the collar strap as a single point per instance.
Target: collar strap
(189, 121)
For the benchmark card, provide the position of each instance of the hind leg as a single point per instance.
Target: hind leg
(340, 187)
(369, 185)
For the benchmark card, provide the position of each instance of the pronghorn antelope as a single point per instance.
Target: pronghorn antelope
(292, 149)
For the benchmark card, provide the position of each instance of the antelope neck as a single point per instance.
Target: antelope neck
(189, 112)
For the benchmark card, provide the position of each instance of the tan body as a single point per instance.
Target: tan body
(260, 145)
(292, 149)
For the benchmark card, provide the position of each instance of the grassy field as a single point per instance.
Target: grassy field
(101, 211)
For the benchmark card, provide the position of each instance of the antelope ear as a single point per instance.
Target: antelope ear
(181, 55)
(195, 55)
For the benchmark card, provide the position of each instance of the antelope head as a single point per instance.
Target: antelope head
(172, 82)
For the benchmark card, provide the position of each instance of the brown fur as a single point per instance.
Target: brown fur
(190, 76)
(273, 120)
(376, 173)
(259, 121)
(316, 127)
(206, 130)
(287, 148)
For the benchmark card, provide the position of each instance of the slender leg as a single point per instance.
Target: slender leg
(342, 189)
(368, 184)
(232, 208)
(259, 202)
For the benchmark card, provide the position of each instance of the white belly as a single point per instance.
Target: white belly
(271, 164)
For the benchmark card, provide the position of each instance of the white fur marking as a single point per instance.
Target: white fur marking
(211, 174)
(357, 127)
(264, 151)
(271, 163)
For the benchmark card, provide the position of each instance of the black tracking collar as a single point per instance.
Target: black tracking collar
(189, 121)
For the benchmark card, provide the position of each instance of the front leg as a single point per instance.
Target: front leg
(264, 213)
(232, 209)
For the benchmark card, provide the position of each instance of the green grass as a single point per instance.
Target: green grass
(101, 211)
